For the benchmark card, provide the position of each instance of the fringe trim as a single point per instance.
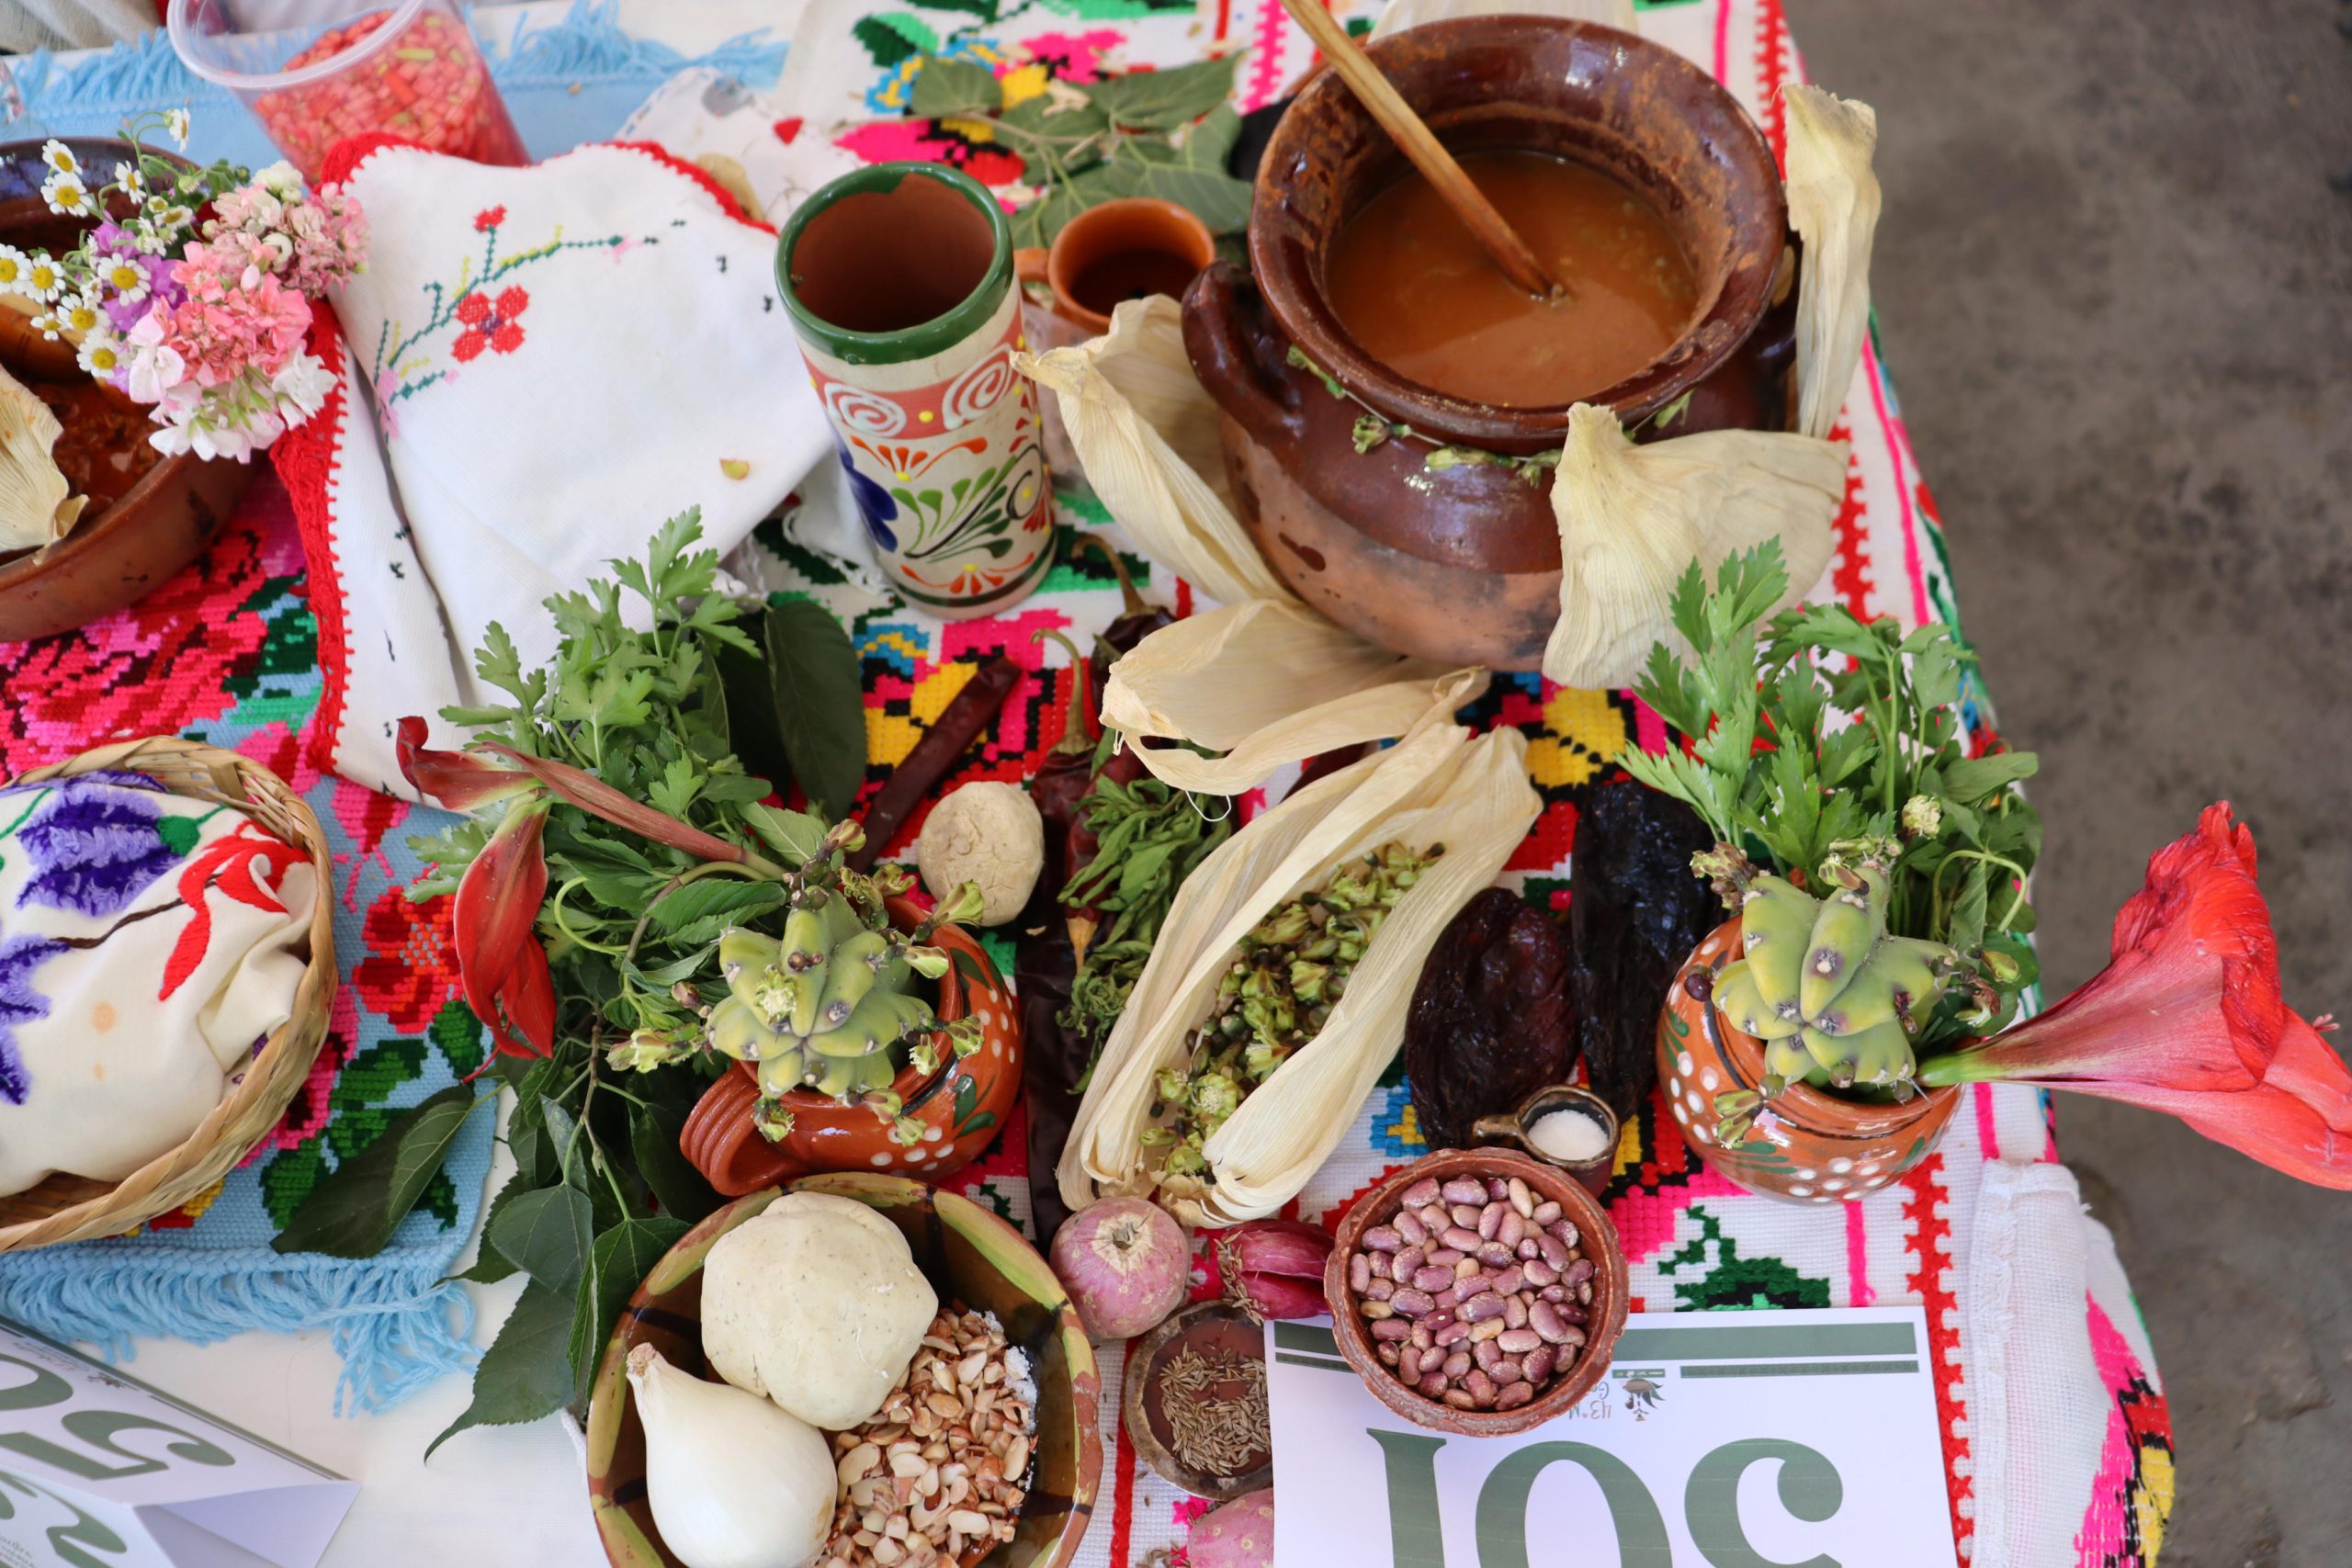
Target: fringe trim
(397, 1327)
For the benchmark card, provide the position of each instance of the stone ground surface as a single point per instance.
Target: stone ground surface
(2114, 278)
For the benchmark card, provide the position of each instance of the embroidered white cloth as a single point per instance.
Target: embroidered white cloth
(537, 367)
(149, 944)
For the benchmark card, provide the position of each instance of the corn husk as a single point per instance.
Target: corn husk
(36, 507)
(1833, 206)
(1146, 434)
(1402, 14)
(1633, 518)
(1266, 682)
(1438, 785)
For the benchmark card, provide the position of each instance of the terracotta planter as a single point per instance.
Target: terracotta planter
(1812, 1146)
(1607, 1311)
(112, 556)
(963, 1105)
(1463, 563)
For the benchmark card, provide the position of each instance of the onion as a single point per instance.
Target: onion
(1238, 1535)
(1274, 1267)
(1125, 1264)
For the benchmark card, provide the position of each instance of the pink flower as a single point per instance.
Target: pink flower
(226, 326)
(2188, 1018)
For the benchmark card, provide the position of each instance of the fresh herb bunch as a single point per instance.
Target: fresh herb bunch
(1819, 743)
(636, 767)
(1157, 133)
(1149, 838)
(1286, 975)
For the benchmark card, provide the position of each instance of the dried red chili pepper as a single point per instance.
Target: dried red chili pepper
(934, 756)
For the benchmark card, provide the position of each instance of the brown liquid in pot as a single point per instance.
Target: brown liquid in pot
(1415, 292)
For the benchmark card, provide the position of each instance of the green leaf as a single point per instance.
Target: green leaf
(675, 790)
(617, 1264)
(1966, 930)
(1974, 778)
(354, 1212)
(752, 734)
(1163, 100)
(1208, 144)
(718, 895)
(676, 1185)
(1935, 672)
(526, 1373)
(459, 1034)
(794, 835)
(1215, 197)
(489, 1264)
(955, 87)
(545, 1234)
(819, 694)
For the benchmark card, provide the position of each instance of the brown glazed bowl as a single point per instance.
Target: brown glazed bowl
(969, 1255)
(111, 558)
(1463, 563)
(1808, 1147)
(963, 1105)
(1599, 1241)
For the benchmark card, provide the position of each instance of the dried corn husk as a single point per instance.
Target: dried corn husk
(1266, 682)
(35, 506)
(1633, 518)
(1833, 206)
(1146, 434)
(1403, 14)
(1436, 786)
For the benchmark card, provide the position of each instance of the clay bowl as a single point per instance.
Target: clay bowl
(1209, 1328)
(113, 556)
(967, 1254)
(1813, 1148)
(1462, 563)
(1599, 1241)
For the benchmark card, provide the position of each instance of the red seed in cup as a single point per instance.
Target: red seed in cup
(428, 84)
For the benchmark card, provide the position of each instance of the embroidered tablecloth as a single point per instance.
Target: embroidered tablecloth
(226, 651)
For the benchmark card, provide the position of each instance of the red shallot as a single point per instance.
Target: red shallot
(1274, 1267)
(1125, 1264)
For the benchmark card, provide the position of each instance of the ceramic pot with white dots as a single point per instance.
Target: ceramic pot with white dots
(1808, 1145)
(962, 1105)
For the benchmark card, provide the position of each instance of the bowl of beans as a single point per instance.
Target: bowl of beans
(1477, 1292)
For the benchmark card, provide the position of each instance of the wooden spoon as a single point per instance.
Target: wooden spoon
(1497, 238)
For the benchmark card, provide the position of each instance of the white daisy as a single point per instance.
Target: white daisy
(123, 277)
(66, 194)
(48, 326)
(60, 157)
(175, 127)
(132, 183)
(80, 313)
(16, 268)
(43, 278)
(101, 356)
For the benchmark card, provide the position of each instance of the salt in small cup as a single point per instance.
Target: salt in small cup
(1516, 1128)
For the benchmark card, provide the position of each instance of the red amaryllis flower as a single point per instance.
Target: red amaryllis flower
(458, 780)
(2187, 1018)
(499, 957)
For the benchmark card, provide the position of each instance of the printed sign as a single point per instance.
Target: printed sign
(99, 1471)
(1737, 1439)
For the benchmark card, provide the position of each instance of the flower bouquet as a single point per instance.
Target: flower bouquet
(190, 291)
(1876, 871)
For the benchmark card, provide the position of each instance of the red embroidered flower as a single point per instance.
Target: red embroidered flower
(491, 323)
(406, 974)
(489, 217)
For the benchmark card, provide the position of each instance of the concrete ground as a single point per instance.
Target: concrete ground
(2114, 279)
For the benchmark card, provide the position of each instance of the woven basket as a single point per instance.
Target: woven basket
(73, 1208)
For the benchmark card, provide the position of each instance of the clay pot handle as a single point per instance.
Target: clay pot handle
(1502, 1129)
(719, 1141)
(1237, 355)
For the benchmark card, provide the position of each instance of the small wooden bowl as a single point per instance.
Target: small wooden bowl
(74, 1208)
(1208, 1325)
(1607, 1312)
(967, 1254)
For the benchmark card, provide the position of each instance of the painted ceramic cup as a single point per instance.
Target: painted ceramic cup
(1807, 1146)
(899, 281)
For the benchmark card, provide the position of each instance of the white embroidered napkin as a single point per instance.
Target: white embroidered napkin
(537, 367)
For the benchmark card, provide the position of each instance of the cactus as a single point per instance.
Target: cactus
(1833, 998)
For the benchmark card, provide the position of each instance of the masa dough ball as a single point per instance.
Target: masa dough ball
(816, 1302)
(989, 833)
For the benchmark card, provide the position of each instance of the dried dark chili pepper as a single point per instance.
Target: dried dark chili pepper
(1136, 621)
(1490, 1021)
(935, 755)
(1053, 1058)
(1635, 913)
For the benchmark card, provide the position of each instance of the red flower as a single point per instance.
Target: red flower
(502, 966)
(458, 780)
(2187, 1018)
(489, 217)
(226, 864)
(491, 323)
(405, 976)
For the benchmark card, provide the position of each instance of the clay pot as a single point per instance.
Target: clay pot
(1811, 1146)
(1597, 1239)
(1512, 1127)
(1463, 563)
(963, 1105)
(110, 557)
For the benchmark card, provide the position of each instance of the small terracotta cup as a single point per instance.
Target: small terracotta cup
(1606, 1312)
(1121, 250)
(1511, 1128)
(963, 1105)
(1807, 1146)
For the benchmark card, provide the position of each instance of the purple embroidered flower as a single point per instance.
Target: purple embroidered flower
(20, 1004)
(96, 845)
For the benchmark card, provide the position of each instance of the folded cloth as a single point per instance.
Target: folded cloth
(544, 363)
(145, 951)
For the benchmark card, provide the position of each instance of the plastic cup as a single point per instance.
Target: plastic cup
(408, 68)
